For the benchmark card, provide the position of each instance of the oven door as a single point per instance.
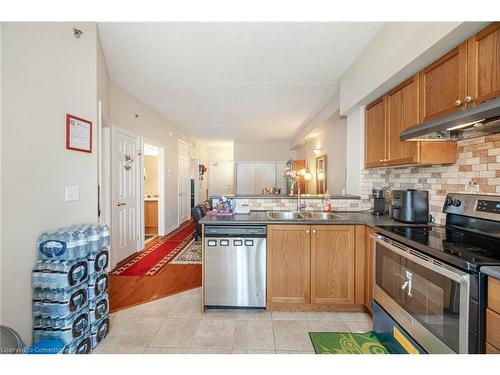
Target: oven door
(429, 299)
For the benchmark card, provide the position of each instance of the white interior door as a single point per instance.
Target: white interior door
(220, 178)
(184, 182)
(245, 178)
(126, 193)
(265, 175)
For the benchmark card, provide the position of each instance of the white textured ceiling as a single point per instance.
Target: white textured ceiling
(234, 81)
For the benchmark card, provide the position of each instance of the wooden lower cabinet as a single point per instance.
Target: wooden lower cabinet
(493, 316)
(317, 267)
(332, 264)
(288, 264)
(151, 217)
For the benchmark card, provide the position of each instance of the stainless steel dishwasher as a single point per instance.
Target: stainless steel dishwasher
(235, 266)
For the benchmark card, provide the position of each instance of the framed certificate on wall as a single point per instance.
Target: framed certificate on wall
(78, 134)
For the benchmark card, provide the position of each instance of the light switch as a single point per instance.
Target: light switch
(72, 193)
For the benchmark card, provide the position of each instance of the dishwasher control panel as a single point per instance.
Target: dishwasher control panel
(258, 231)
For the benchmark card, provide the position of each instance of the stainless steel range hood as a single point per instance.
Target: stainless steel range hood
(473, 122)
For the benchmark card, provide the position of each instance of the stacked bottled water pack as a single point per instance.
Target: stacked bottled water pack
(70, 281)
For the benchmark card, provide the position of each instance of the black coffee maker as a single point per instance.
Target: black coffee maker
(381, 201)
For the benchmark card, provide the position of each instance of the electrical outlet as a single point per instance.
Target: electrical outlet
(72, 193)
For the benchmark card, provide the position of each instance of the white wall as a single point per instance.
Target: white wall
(102, 79)
(355, 145)
(399, 50)
(156, 130)
(219, 153)
(332, 142)
(263, 151)
(46, 73)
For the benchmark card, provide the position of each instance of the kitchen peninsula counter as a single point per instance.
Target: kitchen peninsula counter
(261, 218)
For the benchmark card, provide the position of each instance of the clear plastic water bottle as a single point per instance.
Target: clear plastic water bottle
(93, 238)
(105, 236)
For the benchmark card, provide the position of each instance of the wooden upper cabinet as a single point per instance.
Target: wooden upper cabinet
(375, 132)
(332, 264)
(402, 113)
(288, 264)
(443, 84)
(483, 67)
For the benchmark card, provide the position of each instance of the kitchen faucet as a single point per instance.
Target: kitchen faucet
(291, 173)
(300, 205)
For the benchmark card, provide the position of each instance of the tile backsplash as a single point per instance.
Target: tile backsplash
(476, 171)
(287, 204)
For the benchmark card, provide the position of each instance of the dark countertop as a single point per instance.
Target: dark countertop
(260, 217)
(285, 196)
(493, 271)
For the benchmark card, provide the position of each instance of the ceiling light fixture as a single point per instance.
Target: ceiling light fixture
(317, 151)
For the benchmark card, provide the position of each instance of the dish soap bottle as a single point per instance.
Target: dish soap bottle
(327, 203)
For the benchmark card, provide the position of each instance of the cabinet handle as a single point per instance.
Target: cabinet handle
(314, 231)
(468, 99)
(458, 103)
(308, 231)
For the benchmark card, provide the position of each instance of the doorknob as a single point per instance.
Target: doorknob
(458, 103)
(121, 204)
(314, 231)
(468, 99)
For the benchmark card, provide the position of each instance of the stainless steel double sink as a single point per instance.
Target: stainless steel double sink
(294, 215)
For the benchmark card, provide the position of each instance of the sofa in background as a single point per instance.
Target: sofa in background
(198, 212)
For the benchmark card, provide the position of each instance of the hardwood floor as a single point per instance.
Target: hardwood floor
(128, 291)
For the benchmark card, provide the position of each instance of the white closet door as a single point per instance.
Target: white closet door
(245, 178)
(220, 178)
(265, 175)
(280, 180)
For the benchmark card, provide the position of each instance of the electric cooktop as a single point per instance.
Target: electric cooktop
(457, 246)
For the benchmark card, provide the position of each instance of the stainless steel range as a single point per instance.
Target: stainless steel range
(428, 278)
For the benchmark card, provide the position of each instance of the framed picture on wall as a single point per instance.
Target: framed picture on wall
(78, 134)
(321, 175)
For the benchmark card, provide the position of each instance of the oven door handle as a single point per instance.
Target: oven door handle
(422, 259)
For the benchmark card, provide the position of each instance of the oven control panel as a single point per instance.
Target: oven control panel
(488, 206)
(473, 205)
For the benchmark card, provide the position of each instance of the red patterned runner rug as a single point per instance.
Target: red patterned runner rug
(151, 260)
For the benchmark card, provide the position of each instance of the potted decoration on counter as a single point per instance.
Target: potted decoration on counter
(224, 207)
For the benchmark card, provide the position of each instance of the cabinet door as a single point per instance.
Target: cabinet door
(265, 175)
(288, 264)
(375, 134)
(332, 264)
(443, 83)
(245, 178)
(402, 113)
(483, 64)
(151, 217)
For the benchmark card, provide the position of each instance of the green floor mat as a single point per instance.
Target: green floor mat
(346, 343)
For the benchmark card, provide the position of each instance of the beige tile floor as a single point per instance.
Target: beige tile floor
(175, 325)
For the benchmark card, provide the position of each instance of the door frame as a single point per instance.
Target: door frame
(161, 188)
(181, 143)
(196, 163)
(140, 193)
